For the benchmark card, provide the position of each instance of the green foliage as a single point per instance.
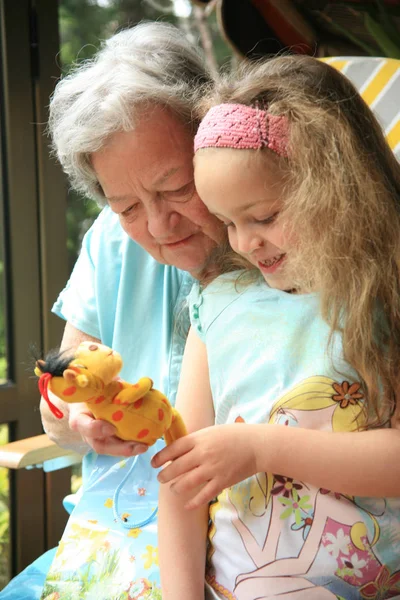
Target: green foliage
(76, 478)
(81, 213)
(82, 24)
(3, 362)
(3, 438)
(4, 515)
(223, 52)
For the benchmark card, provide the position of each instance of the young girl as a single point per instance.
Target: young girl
(294, 359)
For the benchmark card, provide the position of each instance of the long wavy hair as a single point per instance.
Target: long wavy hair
(341, 207)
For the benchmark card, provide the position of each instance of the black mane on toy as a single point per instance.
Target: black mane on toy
(55, 362)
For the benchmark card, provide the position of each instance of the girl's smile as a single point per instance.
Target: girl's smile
(271, 265)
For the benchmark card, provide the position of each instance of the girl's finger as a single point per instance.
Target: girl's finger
(172, 452)
(190, 481)
(205, 495)
(184, 464)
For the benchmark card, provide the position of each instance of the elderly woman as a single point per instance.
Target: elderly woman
(122, 129)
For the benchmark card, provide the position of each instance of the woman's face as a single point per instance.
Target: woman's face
(147, 178)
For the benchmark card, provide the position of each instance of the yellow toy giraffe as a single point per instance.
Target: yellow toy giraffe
(138, 411)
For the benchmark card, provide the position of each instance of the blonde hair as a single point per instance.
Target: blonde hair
(342, 201)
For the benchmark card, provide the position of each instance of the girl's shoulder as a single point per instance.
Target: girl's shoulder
(225, 288)
(208, 303)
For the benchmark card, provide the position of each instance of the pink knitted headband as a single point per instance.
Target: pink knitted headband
(240, 126)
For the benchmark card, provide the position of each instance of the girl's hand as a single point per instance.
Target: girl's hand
(214, 458)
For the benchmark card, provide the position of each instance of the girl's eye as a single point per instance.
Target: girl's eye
(183, 194)
(268, 220)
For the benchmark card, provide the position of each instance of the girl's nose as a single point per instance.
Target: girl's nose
(248, 241)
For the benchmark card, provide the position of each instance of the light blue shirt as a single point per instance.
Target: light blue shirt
(269, 362)
(119, 294)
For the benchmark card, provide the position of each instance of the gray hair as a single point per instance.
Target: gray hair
(152, 63)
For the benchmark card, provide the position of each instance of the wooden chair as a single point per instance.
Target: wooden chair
(37, 452)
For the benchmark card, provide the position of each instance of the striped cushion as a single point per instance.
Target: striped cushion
(378, 81)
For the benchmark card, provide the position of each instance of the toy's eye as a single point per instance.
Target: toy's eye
(93, 347)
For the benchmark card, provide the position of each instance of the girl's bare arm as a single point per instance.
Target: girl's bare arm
(182, 533)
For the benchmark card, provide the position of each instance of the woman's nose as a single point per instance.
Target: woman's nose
(160, 220)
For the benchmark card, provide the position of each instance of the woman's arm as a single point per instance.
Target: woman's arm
(78, 430)
(182, 533)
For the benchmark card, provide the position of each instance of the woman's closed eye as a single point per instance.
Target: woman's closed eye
(130, 211)
(182, 194)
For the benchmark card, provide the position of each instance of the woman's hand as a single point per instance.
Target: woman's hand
(101, 435)
(214, 458)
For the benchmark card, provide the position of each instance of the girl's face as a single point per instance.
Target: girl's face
(243, 188)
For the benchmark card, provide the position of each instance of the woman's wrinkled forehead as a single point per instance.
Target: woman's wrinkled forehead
(149, 156)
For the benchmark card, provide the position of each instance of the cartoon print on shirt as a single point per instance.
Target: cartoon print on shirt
(324, 525)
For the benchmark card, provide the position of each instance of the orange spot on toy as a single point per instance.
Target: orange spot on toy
(100, 399)
(138, 403)
(160, 414)
(117, 416)
(142, 433)
(69, 391)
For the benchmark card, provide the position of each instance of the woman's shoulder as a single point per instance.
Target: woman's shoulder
(106, 237)
(224, 286)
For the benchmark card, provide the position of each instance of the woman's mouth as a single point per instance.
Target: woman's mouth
(270, 265)
(178, 243)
